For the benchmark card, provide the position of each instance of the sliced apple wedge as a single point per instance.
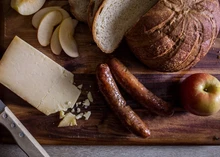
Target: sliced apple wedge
(41, 13)
(55, 42)
(67, 41)
(47, 24)
(27, 7)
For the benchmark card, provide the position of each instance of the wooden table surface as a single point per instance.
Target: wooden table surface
(103, 127)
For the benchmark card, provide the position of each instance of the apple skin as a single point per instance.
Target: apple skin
(200, 94)
(27, 7)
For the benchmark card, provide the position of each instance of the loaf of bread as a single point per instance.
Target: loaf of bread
(79, 9)
(114, 18)
(175, 34)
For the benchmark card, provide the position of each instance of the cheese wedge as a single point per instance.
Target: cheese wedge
(36, 78)
(68, 120)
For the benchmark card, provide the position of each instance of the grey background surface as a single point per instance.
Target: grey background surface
(117, 151)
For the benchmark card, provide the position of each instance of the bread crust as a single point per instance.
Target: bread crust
(94, 28)
(92, 9)
(175, 34)
(79, 9)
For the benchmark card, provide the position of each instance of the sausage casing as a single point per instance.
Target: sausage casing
(117, 103)
(137, 90)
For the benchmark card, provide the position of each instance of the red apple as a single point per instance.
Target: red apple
(200, 94)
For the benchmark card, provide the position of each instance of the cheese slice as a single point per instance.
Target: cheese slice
(36, 78)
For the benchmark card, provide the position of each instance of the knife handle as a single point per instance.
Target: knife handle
(22, 136)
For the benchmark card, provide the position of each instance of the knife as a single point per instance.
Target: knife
(22, 136)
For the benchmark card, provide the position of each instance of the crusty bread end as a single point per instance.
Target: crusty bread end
(114, 18)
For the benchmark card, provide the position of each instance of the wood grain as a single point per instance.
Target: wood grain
(103, 127)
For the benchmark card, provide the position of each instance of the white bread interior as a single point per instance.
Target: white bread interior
(114, 18)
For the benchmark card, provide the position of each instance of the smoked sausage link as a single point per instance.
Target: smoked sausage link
(137, 90)
(110, 91)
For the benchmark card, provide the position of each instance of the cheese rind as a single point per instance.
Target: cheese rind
(36, 78)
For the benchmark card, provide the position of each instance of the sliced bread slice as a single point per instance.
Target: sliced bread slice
(79, 8)
(114, 18)
(92, 9)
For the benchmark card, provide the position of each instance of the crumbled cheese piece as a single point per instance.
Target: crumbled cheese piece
(86, 103)
(89, 96)
(79, 116)
(78, 110)
(80, 86)
(68, 120)
(87, 115)
(78, 103)
(73, 110)
(68, 103)
(62, 114)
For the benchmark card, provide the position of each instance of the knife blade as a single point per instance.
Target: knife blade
(22, 136)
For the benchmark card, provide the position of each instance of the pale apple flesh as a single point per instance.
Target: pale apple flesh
(66, 33)
(200, 94)
(47, 24)
(27, 7)
(41, 13)
(55, 42)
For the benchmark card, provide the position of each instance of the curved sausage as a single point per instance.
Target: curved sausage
(117, 103)
(137, 90)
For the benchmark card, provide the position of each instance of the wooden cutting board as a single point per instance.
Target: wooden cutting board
(103, 127)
